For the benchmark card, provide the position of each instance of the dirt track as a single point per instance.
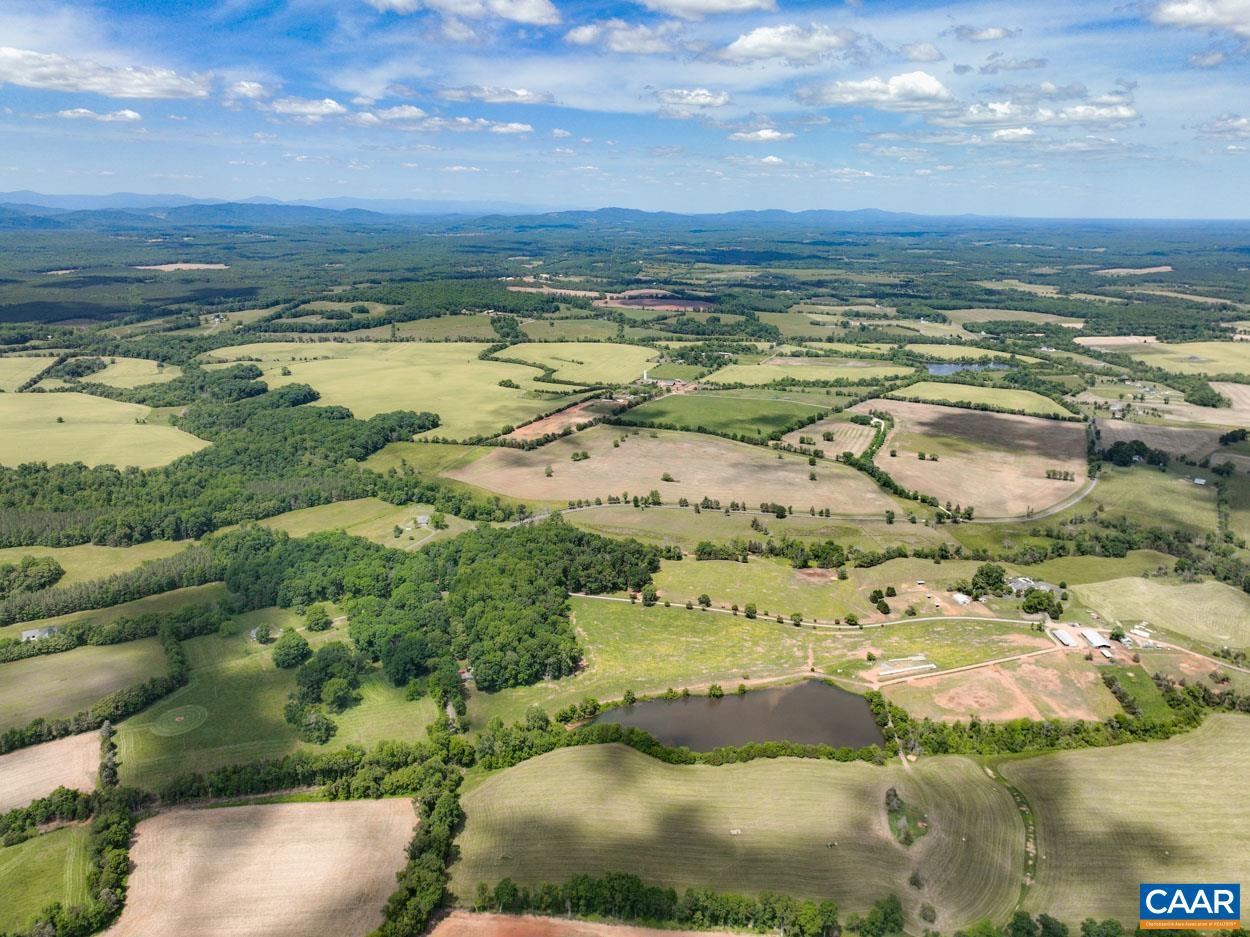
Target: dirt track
(277, 870)
(30, 773)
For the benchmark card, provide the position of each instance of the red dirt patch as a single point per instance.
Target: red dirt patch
(569, 418)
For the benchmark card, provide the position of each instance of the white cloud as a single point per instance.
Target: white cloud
(493, 95)
(1013, 134)
(697, 9)
(559, 133)
(983, 33)
(999, 63)
(921, 52)
(756, 160)
(125, 116)
(692, 97)
(763, 135)
(401, 112)
(459, 168)
(247, 90)
(913, 91)
(625, 38)
(1207, 59)
(532, 12)
(1227, 125)
(1094, 113)
(307, 109)
(794, 43)
(52, 72)
(1206, 15)
(511, 128)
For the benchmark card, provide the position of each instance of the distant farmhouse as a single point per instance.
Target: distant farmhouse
(36, 634)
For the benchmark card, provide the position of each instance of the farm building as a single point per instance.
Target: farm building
(961, 599)
(1022, 584)
(1094, 638)
(1064, 638)
(1106, 652)
(36, 634)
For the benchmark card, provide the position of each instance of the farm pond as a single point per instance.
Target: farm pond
(810, 713)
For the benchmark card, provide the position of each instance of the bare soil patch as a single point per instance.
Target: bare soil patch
(167, 268)
(30, 773)
(1112, 341)
(277, 870)
(467, 924)
(994, 461)
(572, 417)
(700, 466)
(1132, 271)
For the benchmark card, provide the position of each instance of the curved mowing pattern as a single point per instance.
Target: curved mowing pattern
(178, 720)
(762, 826)
(1109, 819)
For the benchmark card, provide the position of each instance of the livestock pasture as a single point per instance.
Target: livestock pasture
(370, 518)
(847, 436)
(569, 330)
(807, 369)
(587, 362)
(607, 808)
(72, 427)
(51, 867)
(1148, 496)
(994, 461)
(701, 466)
(448, 378)
(37, 770)
(715, 413)
(274, 870)
(1001, 398)
(1152, 812)
(16, 370)
(1194, 357)
(57, 685)
(1209, 613)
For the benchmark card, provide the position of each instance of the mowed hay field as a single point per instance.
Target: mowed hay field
(371, 518)
(650, 649)
(162, 602)
(447, 378)
(17, 370)
(1193, 357)
(847, 436)
(95, 431)
(1004, 398)
(1150, 497)
(714, 413)
(701, 466)
(1108, 819)
(807, 369)
(1210, 613)
(994, 461)
(277, 870)
(37, 770)
(57, 685)
(747, 828)
(587, 362)
(90, 561)
(49, 868)
(134, 372)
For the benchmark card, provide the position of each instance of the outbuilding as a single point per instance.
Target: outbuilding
(1064, 638)
(1094, 638)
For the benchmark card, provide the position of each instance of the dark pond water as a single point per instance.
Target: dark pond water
(956, 367)
(810, 713)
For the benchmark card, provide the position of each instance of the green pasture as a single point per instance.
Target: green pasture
(16, 370)
(370, 518)
(89, 561)
(1210, 613)
(587, 362)
(1193, 357)
(134, 372)
(714, 413)
(809, 369)
(569, 330)
(1005, 398)
(51, 867)
(162, 602)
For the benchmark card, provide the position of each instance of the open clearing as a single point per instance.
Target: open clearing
(1210, 613)
(716, 413)
(1132, 271)
(37, 770)
(134, 372)
(48, 868)
(807, 369)
(1151, 498)
(1001, 397)
(462, 923)
(1147, 812)
(94, 431)
(371, 518)
(847, 436)
(171, 267)
(1192, 442)
(586, 362)
(1051, 686)
(277, 870)
(56, 685)
(17, 370)
(1194, 357)
(449, 379)
(995, 461)
(90, 561)
(608, 808)
(701, 466)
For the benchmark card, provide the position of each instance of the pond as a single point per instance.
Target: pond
(810, 713)
(955, 367)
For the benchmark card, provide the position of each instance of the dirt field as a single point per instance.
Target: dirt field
(1112, 341)
(170, 268)
(571, 417)
(994, 461)
(1178, 440)
(1132, 271)
(467, 924)
(30, 773)
(847, 437)
(1061, 685)
(300, 870)
(700, 466)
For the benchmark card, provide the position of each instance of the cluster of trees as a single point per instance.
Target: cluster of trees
(29, 574)
(326, 682)
(1123, 453)
(625, 897)
(989, 579)
(216, 385)
(192, 567)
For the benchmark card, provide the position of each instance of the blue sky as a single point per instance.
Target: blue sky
(1124, 109)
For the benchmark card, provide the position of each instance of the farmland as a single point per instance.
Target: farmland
(714, 413)
(370, 378)
(716, 827)
(1000, 398)
(807, 369)
(17, 370)
(161, 602)
(1194, 357)
(266, 870)
(587, 362)
(90, 561)
(51, 867)
(1209, 613)
(701, 466)
(30, 773)
(57, 685)
(134, 372)
(1138, 813)
(71, 427)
